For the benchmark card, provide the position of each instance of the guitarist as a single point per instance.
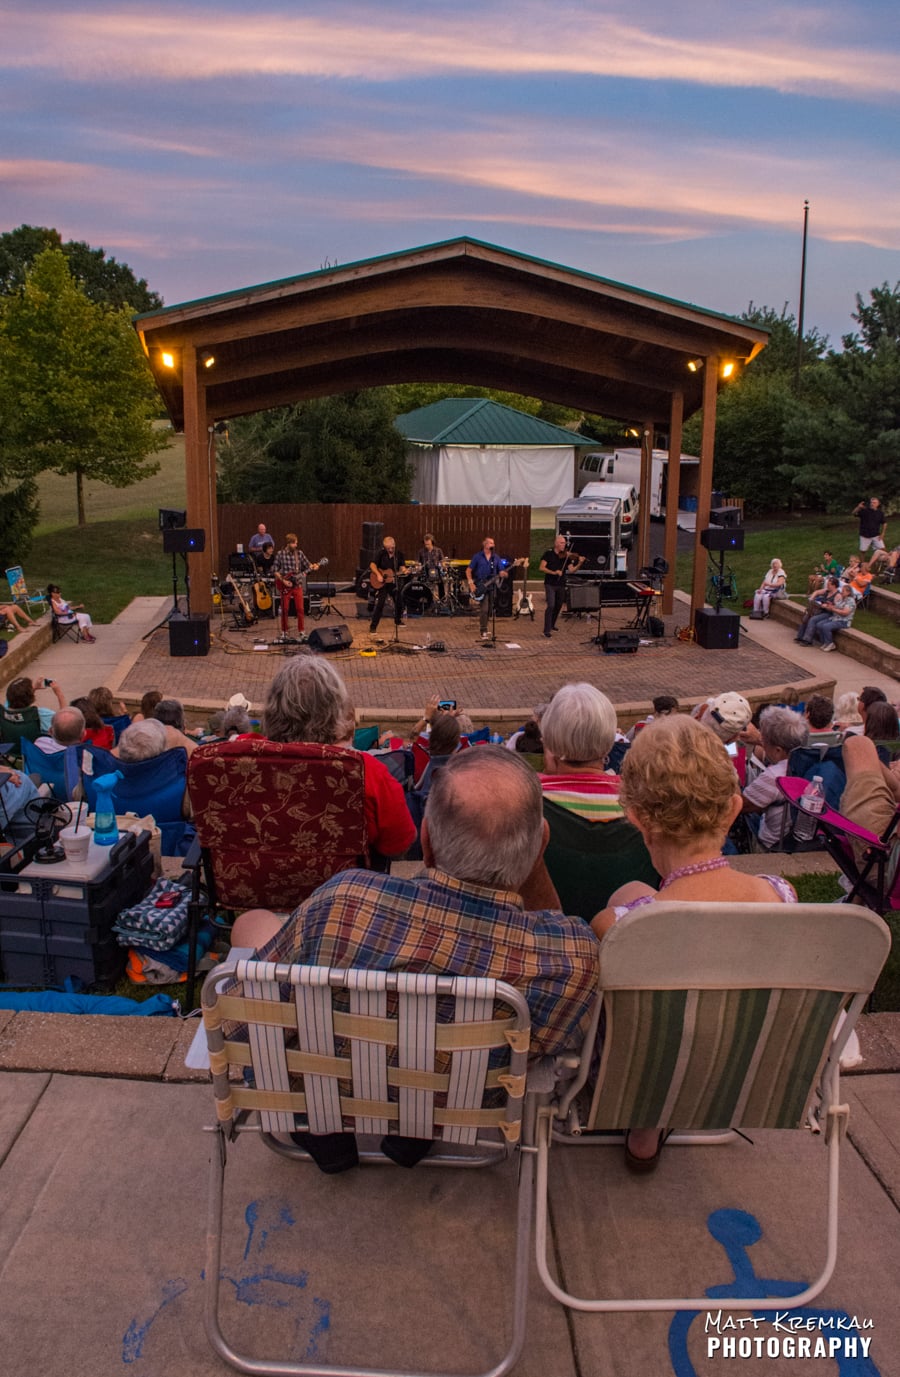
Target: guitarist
(290, 565)
(556, 564)
(385, 570)
(486, 567)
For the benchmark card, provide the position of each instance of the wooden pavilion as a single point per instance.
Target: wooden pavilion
(461, 311)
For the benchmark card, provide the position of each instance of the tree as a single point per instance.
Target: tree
(103, 280)
(879, 320)
(329, 449)
(76, 395)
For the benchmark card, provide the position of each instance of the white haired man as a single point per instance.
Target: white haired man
(467, 915)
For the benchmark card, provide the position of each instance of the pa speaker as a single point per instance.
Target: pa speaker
(620, 642)
(503, 599)
(170, 518)
(583, 597)
(725, 516)
(716, 630)
(189, 540)
(189, 635)
(723, 537)
(372, 535)
(331, 638)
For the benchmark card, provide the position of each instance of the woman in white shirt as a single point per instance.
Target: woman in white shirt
(774, 585)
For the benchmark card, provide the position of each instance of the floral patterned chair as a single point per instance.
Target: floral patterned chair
(274, 820)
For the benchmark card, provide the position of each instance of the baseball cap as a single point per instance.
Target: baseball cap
(732, 711)
(237, 700)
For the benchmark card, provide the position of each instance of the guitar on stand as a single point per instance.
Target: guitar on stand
(242, 614)
(525, 605)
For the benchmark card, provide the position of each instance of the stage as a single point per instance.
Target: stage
(496, 683)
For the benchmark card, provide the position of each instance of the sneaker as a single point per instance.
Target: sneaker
(484, 636)
(372, 628)
(830, 647)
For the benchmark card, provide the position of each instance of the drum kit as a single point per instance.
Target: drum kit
(440, 591)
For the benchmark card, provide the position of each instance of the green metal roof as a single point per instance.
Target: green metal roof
(480, 421)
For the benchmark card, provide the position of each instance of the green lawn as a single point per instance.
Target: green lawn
(103, 503)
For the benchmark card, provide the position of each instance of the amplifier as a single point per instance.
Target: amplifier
(716, 630)
(620, 642)
(189, 635)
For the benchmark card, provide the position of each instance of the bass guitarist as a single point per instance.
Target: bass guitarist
(556, 564)
(486, 571)
(290, 565)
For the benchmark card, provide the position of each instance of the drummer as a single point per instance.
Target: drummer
(431, 558)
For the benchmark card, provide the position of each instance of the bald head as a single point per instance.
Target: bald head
(67, 727)
(484, 818)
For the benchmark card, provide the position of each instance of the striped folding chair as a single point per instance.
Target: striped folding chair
(372, 1053)
(720, 1017)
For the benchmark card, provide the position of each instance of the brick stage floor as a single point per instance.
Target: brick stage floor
(502, 682)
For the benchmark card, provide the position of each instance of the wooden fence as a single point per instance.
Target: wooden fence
(336, 531)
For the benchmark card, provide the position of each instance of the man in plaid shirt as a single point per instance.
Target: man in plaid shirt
(290, 566)
(483, 840)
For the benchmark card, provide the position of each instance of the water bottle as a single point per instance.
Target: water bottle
(810, 804)
(106, 831)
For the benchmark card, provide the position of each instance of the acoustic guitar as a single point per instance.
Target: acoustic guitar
(261, 596)
(379, 577)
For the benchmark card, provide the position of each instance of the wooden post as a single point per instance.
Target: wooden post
(704, 483)
(643, 532)
(200, 481)
(673, 488)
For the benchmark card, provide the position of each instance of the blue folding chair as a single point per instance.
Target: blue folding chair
(61, 770)
(154, 786)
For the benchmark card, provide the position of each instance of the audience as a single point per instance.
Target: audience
(148, 705)
(105, 705)
(20, 696)
(881, 722)
(170, 713)
(143, 740)
(679, 790)
(819, 713)
(66, 729)
(781, 731)
(847, 718)
(96, 731)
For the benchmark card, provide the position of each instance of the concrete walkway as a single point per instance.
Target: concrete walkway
(103, 1179)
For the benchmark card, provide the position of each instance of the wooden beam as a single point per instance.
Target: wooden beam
(704, 481)
(643, 533)
(200, 483)
(673, 488)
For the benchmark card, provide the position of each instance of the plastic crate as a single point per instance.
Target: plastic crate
(51, 929)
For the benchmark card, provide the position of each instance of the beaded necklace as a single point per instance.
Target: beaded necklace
(717, 863)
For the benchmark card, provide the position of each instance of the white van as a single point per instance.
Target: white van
(627, 495)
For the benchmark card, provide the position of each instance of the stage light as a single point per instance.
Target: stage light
(207, 359)
(728, 370)
(694, 365)
(168, 360)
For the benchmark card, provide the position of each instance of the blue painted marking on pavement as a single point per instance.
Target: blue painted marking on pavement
(263, 1218)
(135, 1335)
(737, 1231)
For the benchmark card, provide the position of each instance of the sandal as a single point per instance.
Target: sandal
(641, 1166)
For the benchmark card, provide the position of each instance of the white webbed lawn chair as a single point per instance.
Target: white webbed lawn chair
(719, 1017)
(353, 1050)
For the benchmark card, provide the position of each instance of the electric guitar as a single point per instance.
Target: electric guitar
(525, 607)
(285, 582)
(487, 584)
(249, 618)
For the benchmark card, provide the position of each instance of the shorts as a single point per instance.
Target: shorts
(865, 541)
(868, 802)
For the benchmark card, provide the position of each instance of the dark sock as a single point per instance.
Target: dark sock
(406, 1152)
(331, 1152)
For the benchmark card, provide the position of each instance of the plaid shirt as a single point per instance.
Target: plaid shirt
(435, 924)
(291, 563)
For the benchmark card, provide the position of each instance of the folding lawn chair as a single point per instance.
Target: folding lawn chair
(61, 770)
(719, 1017)
(371, 1052)
(870, 862)
(588, 860)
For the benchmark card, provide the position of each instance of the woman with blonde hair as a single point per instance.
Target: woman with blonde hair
(680, 790)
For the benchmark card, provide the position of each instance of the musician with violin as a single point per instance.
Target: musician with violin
(385, 574)
(484, 574)
(290, 565)
(556, 565)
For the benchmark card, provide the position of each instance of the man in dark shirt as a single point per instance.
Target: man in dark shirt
(556, 564)
(872, 521)
(385, 570)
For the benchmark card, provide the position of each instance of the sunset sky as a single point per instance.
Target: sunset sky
(670, 147)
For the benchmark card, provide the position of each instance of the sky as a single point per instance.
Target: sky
(213, 147)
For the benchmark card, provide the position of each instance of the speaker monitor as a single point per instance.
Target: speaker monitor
(330, 638)
(723, 537)
(620, 642)
(189, 635)
(170, 518)
(189, 540)
(717, 630)
(725, 516)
